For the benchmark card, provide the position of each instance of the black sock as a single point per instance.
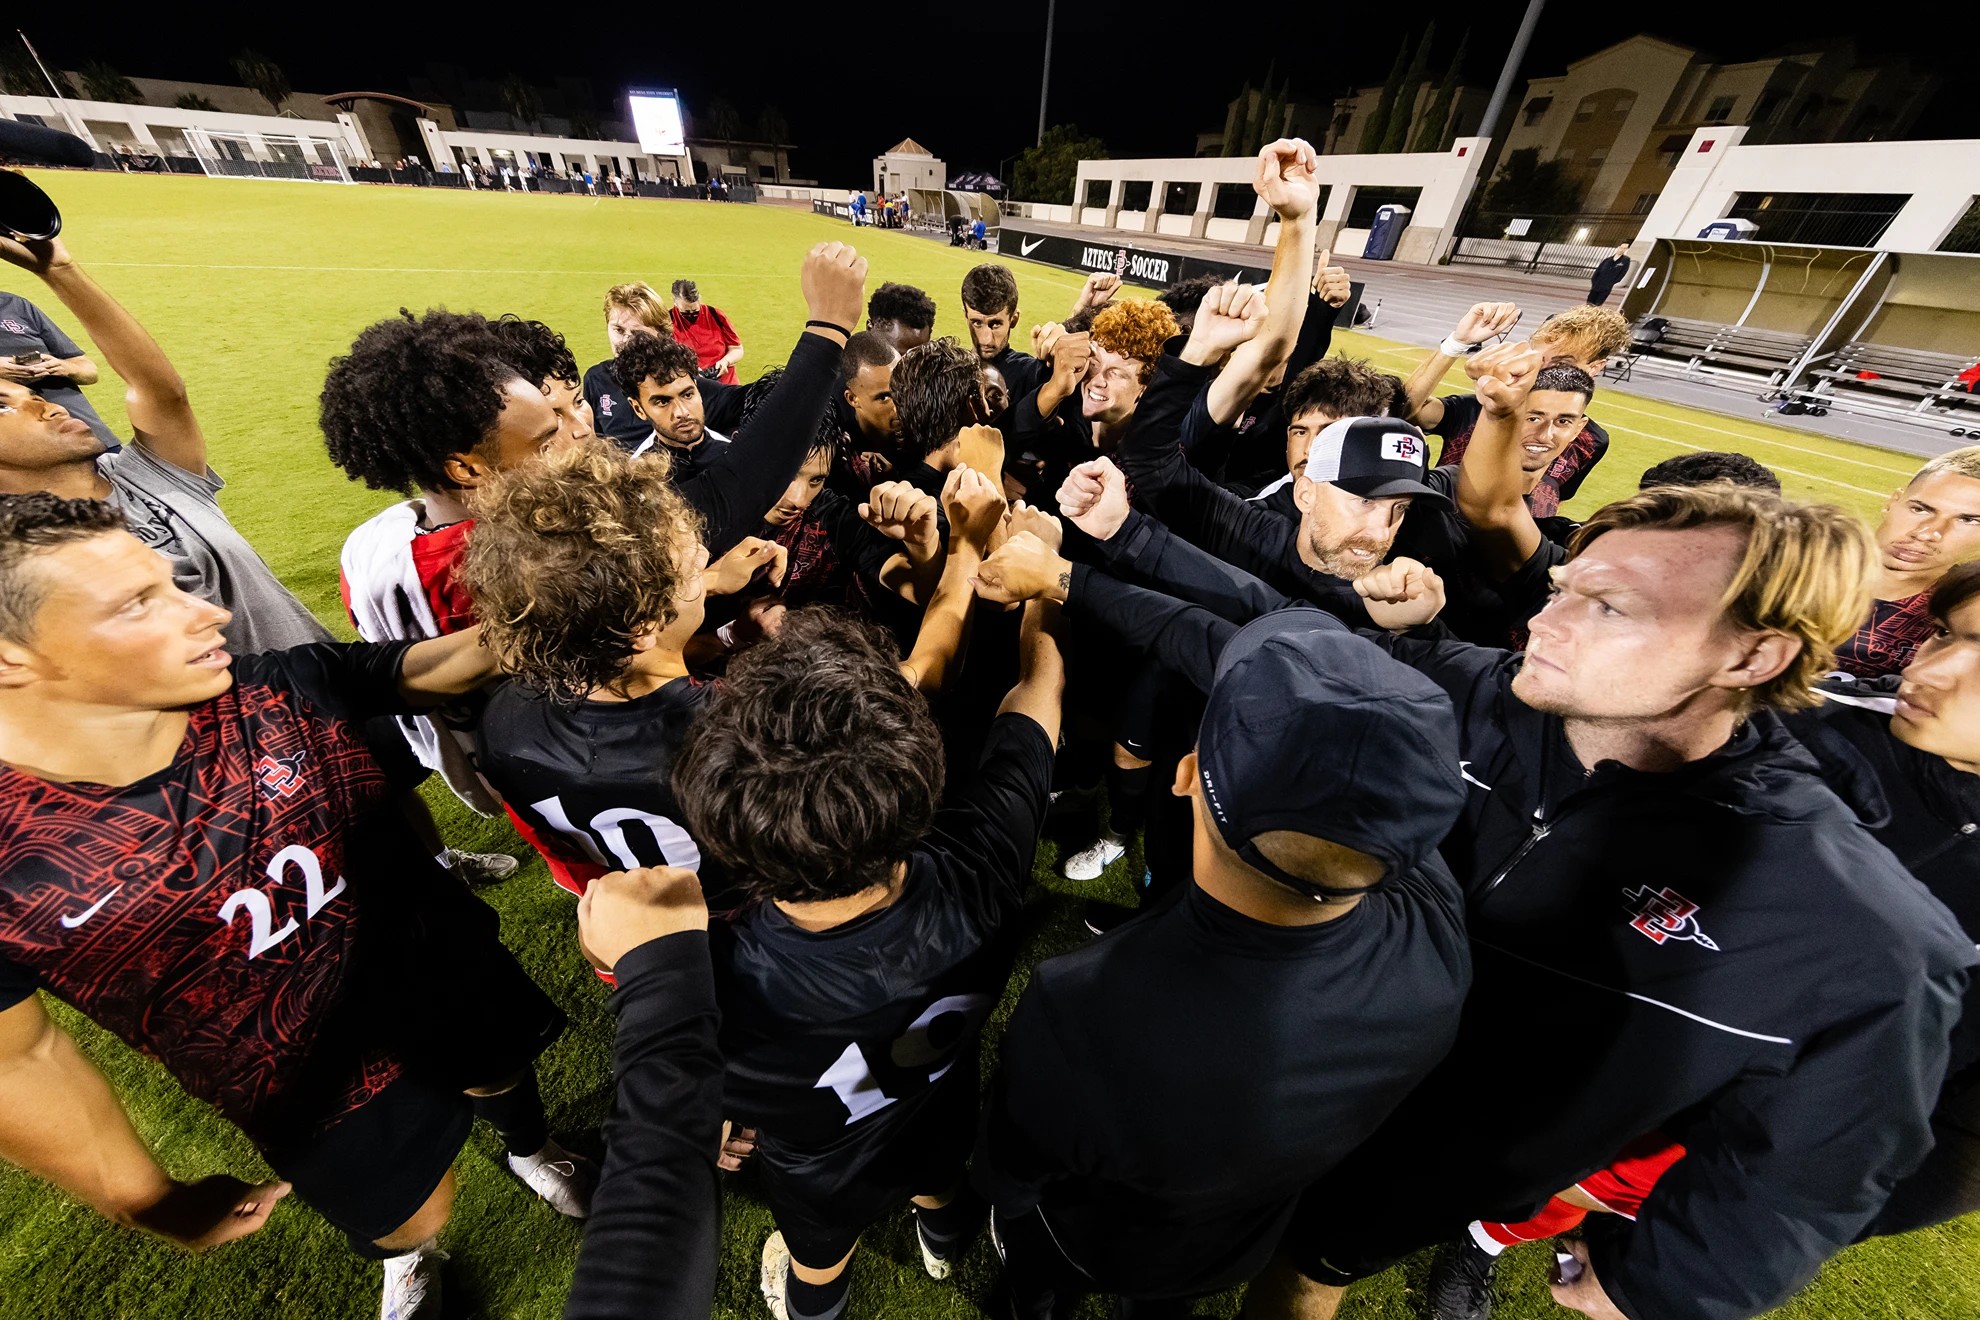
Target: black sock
(950, 1229)
(816, 1301)
(518, 1115)
(1127, 799)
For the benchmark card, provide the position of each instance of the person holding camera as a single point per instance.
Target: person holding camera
(37, 353)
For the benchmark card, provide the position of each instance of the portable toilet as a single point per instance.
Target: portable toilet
(1729, 228)
(1385, 235)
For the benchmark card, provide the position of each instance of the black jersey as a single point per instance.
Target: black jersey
(611, 411)
(836, 1040)
(591, 783)
(208, 915)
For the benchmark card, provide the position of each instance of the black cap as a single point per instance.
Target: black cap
(1372, 457)
(1312, 729)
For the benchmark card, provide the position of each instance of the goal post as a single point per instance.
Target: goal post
(268, 156)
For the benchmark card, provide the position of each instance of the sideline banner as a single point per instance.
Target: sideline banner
(1133, 263)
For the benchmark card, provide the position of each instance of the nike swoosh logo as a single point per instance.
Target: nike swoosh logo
(1464, 773)
(1026, 249)
(70, 923)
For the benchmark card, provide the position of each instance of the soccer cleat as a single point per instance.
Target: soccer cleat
(938, 1268)
(565, 1180)
(412, 1284)
(1089, 862)
(1461, 1281)
(775, 1281)
(481, 868)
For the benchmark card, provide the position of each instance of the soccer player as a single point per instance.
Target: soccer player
(854, 988)
(990, 305)
(160, 482)
(497, 407)
(39, 354)
(1311, 973)
(733, 485)
(202, 855)
(631, 310)
(866, 415)
(1586, 337)
(902, 315)
(1096, 381)
(703, 328)
(938, 394)
(1927, 527)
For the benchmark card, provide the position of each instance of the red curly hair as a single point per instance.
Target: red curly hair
(1136, 328)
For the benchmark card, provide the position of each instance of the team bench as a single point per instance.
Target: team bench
(1911, 383)
(1713, 348)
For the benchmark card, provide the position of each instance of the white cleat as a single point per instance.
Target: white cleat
(412, 1284)
(1089, 862)
(937, 1267)
(481, 868)
(775, 1279)
(565, 1180)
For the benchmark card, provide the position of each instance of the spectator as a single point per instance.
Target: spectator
(703, 328)
(1608, 274)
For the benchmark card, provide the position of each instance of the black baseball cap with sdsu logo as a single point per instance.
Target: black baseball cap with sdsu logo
(1373, 457)
(1313, 730)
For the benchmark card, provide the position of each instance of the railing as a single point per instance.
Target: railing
(1572, 244)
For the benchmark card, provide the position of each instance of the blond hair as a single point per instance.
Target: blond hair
(1805, 572)
(643, 301)
(1960, 462)
(1586, 333)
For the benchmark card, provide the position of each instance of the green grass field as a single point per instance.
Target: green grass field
(252, 287)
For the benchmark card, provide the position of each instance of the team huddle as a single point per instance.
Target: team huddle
(1508, 877)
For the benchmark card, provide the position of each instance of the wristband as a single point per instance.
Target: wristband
(1457, 348)
(828, 325)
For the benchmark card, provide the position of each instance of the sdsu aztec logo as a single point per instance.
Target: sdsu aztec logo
(1402, 447)
(13, 327)
(604, 405)
(1665, 914)
(280, 776)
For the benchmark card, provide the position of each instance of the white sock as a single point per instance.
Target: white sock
(1486, 1243)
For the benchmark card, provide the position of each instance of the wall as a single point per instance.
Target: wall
(568, 154)
(1445, 177)
(104, 124)
(1941, 177)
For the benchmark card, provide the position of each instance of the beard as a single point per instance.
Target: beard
(1339, 559)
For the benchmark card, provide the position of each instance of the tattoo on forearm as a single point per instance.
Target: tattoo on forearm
(1065, 581)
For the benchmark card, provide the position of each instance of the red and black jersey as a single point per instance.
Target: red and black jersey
(1564, 474)
(207, 914)
(1889, 637)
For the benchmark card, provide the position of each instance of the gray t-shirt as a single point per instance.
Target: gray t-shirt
(177, 514)
(25, 328)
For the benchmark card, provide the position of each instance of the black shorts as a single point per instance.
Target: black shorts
(374, 1169)
(823, 1201)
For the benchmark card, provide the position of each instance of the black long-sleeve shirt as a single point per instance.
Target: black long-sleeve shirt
(1721, 952)
(655, 1229)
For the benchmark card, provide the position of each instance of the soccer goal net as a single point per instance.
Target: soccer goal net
(268, 156)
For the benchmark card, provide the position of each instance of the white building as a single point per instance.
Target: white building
(908, 165)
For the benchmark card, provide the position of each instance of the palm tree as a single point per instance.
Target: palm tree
(261, 74)
(194, 101)
(771, 125)
(103, 83)
(520, 99)
(724, 124)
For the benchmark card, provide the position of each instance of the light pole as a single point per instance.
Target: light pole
(1045, 81)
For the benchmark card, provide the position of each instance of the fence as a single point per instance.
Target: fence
(1571, 244)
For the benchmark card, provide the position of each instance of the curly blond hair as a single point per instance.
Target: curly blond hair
(1135, 328)
(572, 559)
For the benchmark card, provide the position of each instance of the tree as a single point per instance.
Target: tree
(522, 101)
(1046, 172)
(584, 124)
(194, 101)
(771, 126)
(1396, 136)
(1531, 188)
(1378, 123)
(1435, 134)
(260, 74)
(18, 74)
(103, 83)
(724, 124)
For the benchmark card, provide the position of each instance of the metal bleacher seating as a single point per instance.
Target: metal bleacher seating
(1707, 347)
(1883, 379)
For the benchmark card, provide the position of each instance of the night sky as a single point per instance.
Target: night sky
(852, 77)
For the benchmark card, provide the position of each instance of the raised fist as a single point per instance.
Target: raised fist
(834, 284)
(1024, 568)
(1228, 315)
(1095, 498)
(1401, 594)
(1286, 178)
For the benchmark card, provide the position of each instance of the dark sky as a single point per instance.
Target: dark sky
(854, 76)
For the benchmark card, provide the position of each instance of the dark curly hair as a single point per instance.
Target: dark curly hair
(572, 559)
(1707, 466)
(537, 351)
(649, 357)
(413, 392)
(1340, 387)
(938, 390)
(901, 302)
(817, 767)
(1184, 296)
(29, 525)
(990, 289)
